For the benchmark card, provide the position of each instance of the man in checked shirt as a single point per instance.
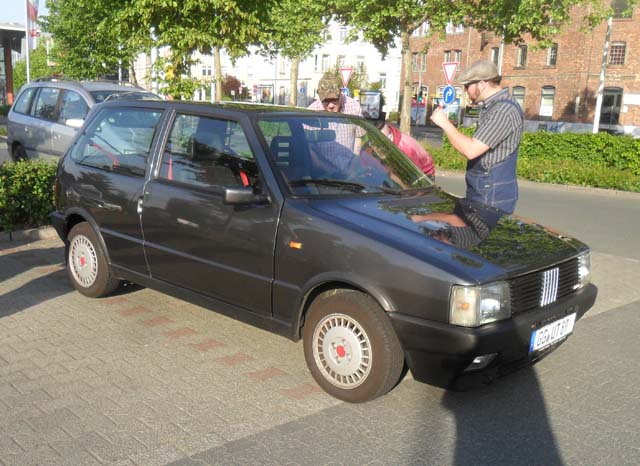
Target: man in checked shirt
(492, 152)
(335, 156)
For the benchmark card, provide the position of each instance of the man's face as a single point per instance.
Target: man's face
(331, 105)
(473, 90)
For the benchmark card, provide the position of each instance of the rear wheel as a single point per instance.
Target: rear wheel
(350, 346)
(87, 264)
(19, 153)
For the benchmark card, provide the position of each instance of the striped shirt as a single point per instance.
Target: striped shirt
(346, 133)
(499, 127)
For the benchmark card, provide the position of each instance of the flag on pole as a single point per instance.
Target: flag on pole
(32, 17)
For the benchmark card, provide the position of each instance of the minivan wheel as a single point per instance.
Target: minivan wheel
(87, 264)
(350, 346)
(19, 153)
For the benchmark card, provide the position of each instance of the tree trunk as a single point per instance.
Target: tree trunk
(293, 92)
(217, 73)
(407, 85)
(133, 78)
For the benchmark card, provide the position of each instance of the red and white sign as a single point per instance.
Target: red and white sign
(345, 74)
(450, 68)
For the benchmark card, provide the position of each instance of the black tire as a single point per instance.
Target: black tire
(19, 153)
(350, 346)
(87, 265)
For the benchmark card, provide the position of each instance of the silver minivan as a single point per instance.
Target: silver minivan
(47, 113)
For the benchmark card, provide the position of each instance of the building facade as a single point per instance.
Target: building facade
(557, 86)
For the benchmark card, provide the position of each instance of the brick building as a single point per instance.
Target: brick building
(556, 86)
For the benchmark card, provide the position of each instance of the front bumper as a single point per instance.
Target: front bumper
(438, 353)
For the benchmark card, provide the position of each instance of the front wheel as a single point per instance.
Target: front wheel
(350, 346)
(87, 264)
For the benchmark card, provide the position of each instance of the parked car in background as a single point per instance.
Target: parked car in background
(47, 113)
(260, 213)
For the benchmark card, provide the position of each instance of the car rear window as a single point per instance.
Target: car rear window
(22, 104)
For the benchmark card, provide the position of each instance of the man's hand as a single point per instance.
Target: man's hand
(439, 117)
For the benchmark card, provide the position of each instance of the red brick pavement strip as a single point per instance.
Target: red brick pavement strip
(115, 301)
(134, 311)
(180, 332)
(207, 345)
(301, 391)
(161, 320)
(234, 359)
(266, 374)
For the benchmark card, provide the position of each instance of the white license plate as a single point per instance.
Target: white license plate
(551, 333)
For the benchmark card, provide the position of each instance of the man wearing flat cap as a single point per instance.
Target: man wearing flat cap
(492, 152)
(335, 155)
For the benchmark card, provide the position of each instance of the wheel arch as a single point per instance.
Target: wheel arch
(336, 285)
(76, 216)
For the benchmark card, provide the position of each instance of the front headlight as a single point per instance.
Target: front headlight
(472, 306)
(584, 270)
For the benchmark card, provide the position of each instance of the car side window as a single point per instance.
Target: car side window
(73, 106)
(118, 139)
(22, 104)
(45, 106)
(208, 153)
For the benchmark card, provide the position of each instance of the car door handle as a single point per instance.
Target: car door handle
(139, 208)
(109, 206)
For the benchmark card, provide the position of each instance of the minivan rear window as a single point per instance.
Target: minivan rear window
(22, 104)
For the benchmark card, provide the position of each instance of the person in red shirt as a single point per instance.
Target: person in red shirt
(410, 147)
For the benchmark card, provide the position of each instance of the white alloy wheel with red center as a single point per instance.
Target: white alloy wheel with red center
(342, 351)
(83, 261)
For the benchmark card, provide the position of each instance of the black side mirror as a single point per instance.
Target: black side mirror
(243, 196)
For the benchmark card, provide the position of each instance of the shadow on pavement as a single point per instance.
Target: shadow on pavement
(503, 424)
(34, 292)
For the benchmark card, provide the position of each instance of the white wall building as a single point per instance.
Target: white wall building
(266, 78)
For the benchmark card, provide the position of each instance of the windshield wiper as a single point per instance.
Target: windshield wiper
(348, 185)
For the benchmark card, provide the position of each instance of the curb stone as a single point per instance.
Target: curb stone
(33, 234)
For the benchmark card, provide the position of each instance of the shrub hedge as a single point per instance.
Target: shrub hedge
(598, 160)
(26, 194)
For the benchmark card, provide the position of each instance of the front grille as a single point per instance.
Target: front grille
(544, 287)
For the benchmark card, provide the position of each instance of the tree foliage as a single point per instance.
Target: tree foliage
(87, 43)
(38, 67)
(384, 23)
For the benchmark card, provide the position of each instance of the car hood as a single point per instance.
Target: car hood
(439, 227)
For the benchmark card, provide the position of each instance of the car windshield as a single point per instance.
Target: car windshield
(338, 155)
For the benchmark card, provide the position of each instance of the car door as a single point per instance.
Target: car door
(73, 110)
(44, 112)
(107, 177)
(194, 240)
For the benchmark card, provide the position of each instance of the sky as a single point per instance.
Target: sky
(13, 11)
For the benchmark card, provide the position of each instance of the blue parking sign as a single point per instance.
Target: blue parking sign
(449, 95)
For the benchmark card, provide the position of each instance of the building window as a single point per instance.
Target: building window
(447, 56)
(546, 102)
(521, 58)
(343, 34)
(315, 63)
(552, 55)
(617, 53)
(414, 62)
(342, 61)
(518, 95)
(495, 55)
(621, 9)
(383, 80)
(611, 105)
(454, 29)
(206, 70)
(359, 62)
(326, 34)
(325, 63)
(457, 56)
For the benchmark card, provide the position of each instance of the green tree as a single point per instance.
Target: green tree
(295, 28)
(38, 67)
(382, 23)
(88, 40)
(193, 25)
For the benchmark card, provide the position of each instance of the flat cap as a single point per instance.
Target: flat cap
(482, 70)
(329, 87)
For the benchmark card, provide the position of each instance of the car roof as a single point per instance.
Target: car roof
(96, 85)
(246, 108)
